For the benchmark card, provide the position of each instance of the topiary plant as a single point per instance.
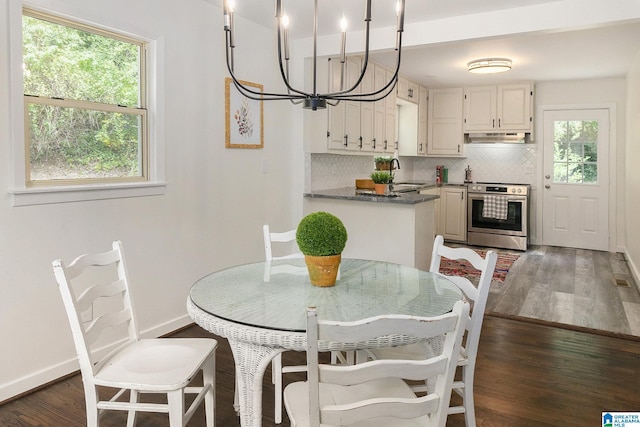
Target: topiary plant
(321, 234)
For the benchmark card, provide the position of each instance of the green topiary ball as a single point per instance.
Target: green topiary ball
(321, 234)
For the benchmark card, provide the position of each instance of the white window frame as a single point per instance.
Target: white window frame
(22, 195)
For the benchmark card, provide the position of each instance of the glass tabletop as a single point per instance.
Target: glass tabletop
(244, 294)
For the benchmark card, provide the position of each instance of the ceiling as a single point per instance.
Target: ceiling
(595, 51)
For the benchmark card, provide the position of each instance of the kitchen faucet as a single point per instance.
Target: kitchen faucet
(397, 162)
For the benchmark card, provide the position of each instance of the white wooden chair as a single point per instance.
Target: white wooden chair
(277, 370)
(374, 393)
(99, 282)
(478, 295)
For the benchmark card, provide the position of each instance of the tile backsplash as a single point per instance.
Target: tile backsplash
(488, 162)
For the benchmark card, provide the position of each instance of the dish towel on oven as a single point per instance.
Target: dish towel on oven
(495, 207)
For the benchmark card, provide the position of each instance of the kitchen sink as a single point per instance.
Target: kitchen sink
(403, 187)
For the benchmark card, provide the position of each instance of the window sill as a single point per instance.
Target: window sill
(66, 194)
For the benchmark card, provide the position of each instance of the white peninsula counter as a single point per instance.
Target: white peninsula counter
(398, 229)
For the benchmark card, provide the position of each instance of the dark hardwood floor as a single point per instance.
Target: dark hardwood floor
(527, 375)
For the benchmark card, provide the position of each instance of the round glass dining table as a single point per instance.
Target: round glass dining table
(261, 309)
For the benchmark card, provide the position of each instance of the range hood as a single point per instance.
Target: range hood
(494, 137)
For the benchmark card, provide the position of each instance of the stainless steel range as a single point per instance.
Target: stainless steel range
(498, 215)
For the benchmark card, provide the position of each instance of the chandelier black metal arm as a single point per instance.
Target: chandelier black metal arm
(314, 100)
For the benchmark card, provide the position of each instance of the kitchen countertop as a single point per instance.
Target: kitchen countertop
(363, 195)
(350, 193)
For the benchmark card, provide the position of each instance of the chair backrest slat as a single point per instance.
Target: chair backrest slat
(104, 322)
(284, 237)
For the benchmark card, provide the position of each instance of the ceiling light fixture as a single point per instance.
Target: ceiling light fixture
(489, 65)
(314, 100)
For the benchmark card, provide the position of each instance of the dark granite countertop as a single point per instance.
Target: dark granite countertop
(350, 193)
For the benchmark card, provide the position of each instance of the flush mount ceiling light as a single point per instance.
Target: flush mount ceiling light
(489, 65)
(314, 100)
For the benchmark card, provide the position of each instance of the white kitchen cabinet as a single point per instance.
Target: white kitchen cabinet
(498, 108)
(453, 213)
(435, 191)
(412, 125)
(390, 131)
(379, 110)
(423, 112)
(444, 127)
(360, 126)
(344, 118)
(407, 90)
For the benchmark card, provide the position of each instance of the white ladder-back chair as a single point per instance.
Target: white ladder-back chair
(478, 295)
(277, 370)
(161, 365)
(374, 393)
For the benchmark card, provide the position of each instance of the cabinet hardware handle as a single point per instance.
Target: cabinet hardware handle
(360, 142)
(385, 144)
(493, 123)
(346, 138)
(458, 148)
(499, 124)
(374, 143)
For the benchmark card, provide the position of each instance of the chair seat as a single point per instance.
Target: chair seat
(156, 364)
(296, 398)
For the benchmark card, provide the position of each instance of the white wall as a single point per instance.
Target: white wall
(210, 217)
(593, 92)
(632, 177)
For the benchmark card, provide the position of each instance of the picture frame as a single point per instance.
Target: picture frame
(244, 124)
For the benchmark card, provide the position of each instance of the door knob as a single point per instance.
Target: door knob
(547, 176)
(547, 186)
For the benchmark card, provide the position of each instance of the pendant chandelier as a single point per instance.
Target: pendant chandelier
(314, 100)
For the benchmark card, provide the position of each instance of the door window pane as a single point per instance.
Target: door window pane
(575, 151)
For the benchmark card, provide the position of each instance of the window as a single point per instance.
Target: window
(85, 104)
(575, 157)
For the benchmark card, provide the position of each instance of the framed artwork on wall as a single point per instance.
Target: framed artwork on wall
(244, 125)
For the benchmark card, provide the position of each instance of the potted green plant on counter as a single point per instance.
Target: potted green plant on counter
(322, 237)
(381, 181)
(383, 163)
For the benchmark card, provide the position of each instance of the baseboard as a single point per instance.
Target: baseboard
(37, 380)
(633, 269)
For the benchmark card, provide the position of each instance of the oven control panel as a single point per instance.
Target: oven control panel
(517, 189)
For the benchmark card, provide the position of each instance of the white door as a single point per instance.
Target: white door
(576, 179)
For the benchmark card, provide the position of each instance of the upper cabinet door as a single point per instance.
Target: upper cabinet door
(408, 90)
(498, 108)
(514, 107)
(445, 136)
(480, 104)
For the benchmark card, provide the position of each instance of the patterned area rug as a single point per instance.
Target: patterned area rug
(463, 268)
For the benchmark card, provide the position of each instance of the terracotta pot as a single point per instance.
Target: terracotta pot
(380, 188)
(323, 270)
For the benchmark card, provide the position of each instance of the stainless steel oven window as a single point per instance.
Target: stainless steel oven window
(514, 225)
